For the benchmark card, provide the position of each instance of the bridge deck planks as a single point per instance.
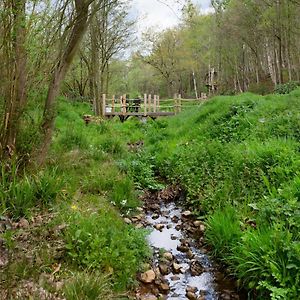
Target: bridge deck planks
(140, 114)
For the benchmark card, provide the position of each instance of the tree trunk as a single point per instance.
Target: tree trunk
(63, 65)
(17, 76)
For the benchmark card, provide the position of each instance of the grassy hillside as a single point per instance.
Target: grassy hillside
(238, 160)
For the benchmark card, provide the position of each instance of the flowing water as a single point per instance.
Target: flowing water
(197, 271)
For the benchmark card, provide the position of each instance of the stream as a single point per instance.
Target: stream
(181, 267)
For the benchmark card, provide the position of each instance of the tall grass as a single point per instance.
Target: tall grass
(238, 160)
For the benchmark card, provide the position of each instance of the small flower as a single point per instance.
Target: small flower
(74, 207)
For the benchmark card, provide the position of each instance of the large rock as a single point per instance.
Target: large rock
(168, 256)
(164, 269)
(148, 277)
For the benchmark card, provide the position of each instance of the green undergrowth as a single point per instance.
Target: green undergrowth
(87, 192)
(238, 160)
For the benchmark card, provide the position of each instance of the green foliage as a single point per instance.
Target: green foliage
(223, 231)
(286, 88)
(238, 160)
(269, 260)
(73, 138)
(107, 180)
(20, 193)
(264, 87)
(87, 286)
(102, 241)
(141, 169)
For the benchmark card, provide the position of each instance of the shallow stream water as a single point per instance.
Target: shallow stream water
(169, 234)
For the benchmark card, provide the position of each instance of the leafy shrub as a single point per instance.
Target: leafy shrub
(141, 169)
(232, 125)
(264, 87)
(286, 88)
(102, 241)
(269, 260)
(223, 231)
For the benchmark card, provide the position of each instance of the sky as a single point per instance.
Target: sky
(156, 14)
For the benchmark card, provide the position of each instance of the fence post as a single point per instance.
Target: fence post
(103, 104)
(179, 103)
(113, 104)
(154, 104)
(145, 105)
(158, 103)
(175, 104)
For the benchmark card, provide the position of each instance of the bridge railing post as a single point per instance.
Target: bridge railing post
(113, 104)
(121, 103)
(149, 102)
(158, 103)
(154, 103)
(124, 104)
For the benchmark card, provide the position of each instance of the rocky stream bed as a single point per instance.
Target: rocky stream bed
(181, 267)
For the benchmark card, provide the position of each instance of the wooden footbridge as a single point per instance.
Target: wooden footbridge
(150, 106)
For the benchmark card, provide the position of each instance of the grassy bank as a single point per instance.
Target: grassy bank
(238, 160)
(61, 231)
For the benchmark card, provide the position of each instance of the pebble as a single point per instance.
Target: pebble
(148, 297)
(155, 216)
(182, 248)
(186, 213)
(190, 254)
(175, 278)
(164, 269)
(202, 228)
(164, 287)
(177, 268)
(139, 226)
(159, 227)
(127, 221)
(191, 296)
(191, 289)
(23, 223)
(197, 223)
